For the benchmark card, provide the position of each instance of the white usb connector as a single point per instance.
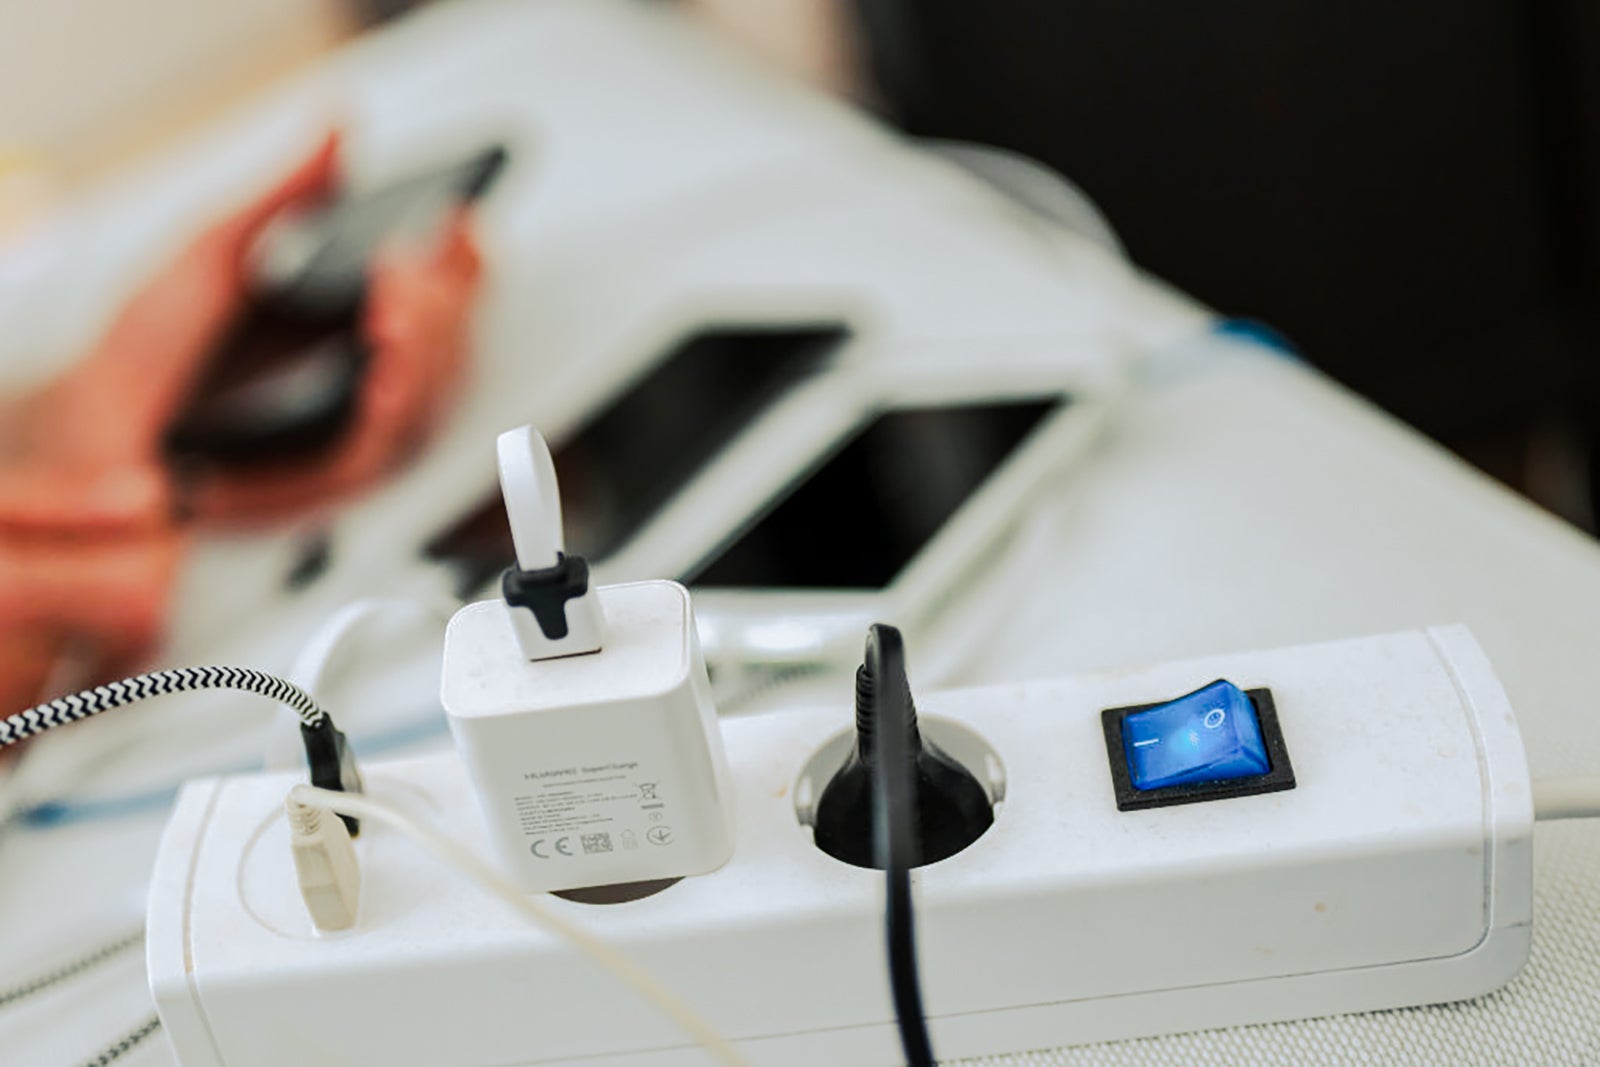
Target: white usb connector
(325, 864)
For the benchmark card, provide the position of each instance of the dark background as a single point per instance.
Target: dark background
(1410, 192)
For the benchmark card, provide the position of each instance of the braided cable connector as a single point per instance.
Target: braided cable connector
(77, 706)
(126, 1044)
(332, 764)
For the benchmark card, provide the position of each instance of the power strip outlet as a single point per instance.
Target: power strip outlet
(1396, 871)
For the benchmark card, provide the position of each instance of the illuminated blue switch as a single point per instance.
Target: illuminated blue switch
(1210, 735)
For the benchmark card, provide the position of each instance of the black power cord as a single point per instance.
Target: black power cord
(894, 799)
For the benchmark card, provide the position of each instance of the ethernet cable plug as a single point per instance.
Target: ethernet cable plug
(952, 808)
(325, 864)
(553, 610)
(584, 714)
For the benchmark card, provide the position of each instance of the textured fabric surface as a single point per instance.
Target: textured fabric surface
(1549, 1014)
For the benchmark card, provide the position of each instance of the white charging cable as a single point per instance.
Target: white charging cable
(333, 640)
(335, 644)
(553, 608)
(1566, 798)
(492, 881)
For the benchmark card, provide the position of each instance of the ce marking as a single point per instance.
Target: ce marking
(563, 846)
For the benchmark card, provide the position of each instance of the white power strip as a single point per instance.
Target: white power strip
(1396, 871)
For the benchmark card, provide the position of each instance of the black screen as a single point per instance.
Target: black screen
(634, 455)
(859, 518)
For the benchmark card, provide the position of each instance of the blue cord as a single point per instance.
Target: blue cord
(1259, 333)
(51, 814)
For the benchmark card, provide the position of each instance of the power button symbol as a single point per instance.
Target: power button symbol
(659, 835)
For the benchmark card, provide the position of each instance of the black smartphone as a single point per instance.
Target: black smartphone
(284, 380)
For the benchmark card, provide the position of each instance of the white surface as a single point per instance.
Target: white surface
(1396, 871)
(1248, 501)
(89, 81)
(622, 744)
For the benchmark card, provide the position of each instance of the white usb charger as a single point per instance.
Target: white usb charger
(584, 715)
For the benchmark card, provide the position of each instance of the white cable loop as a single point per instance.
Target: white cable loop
(476, 870)
(333, 640)
(1566, 798)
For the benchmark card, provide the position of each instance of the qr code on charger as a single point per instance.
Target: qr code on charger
(596, 842)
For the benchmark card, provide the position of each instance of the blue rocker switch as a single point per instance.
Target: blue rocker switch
(1215, 742)
(1211, 734)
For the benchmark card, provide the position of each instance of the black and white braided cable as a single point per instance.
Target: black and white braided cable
(69, 709)
(70, 970)
(127, 1043)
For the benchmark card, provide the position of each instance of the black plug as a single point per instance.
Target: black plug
(951, 808)
(546, 590)
(333, 764)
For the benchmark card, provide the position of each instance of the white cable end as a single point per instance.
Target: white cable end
(554, 611)
(580, 615)
(1566, 798)
(532, 496)
(325, 863)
